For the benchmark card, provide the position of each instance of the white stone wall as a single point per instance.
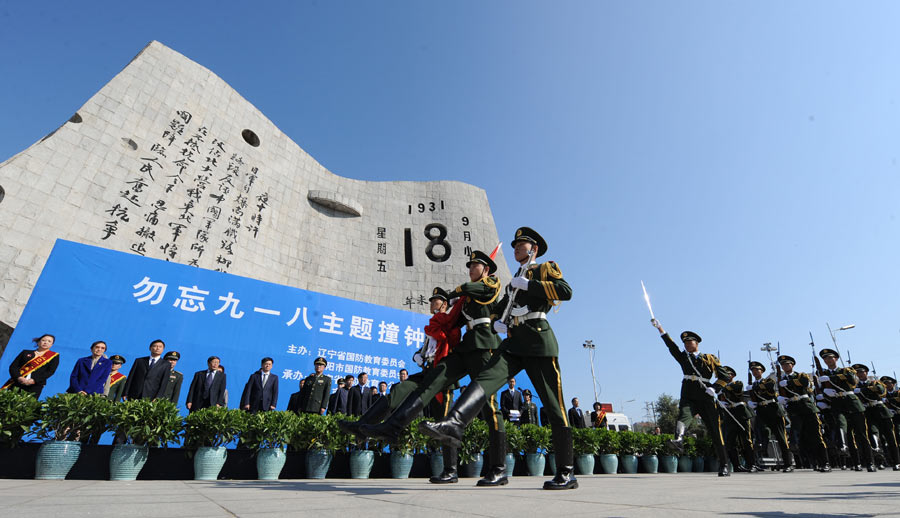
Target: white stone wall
(96, 182)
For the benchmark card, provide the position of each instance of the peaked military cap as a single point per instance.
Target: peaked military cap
(526, 392)
(320, 361)
(825, 353)
(690, 335)
(731, 372)
(859, 366)
(758, 365)
(117, 358)
(172, 355)
(887, 379)
(438, 293)
(530, 235)
(478, 256)
(786, 359)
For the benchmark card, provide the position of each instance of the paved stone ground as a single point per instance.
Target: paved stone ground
(703, 494)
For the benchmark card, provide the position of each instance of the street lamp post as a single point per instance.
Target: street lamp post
(589, 345)
(834, 340)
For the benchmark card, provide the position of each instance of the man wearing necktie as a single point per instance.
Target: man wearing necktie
(207, 388)
(147, 373)
(261, 390)
(576, 417)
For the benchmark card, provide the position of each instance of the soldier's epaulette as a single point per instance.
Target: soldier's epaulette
(550, 270)
(493, 283)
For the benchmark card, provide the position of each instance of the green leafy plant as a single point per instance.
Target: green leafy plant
(584, 441)
(705, 447)
(212, 426)
(666, 448)
(690, 446)
(411, 441)
(317, 432)
(535, 439)
(515, 439)
(19, 410)
(74, 417)
(607, 441)
(154, 422)
(652, 444)
(630, 443)
(272, 429)
(474, 441)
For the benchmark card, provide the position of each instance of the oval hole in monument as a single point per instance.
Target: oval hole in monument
(2, 194)
(76, 118)
(250, 138)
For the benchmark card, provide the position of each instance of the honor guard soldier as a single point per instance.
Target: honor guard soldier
(530, 345)
(170, 388)
(849, 410)
(698, 396)
(878, 416)
(467, 358)
(316, 389)
(115, 384)
(892, 401)
(764, 394)
(796, 393)
(732, 394)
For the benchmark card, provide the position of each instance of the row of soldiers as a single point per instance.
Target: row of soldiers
(835, 414)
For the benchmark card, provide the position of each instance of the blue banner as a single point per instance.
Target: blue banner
(85, 294)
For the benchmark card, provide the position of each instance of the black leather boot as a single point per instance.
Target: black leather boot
(736, 463)
(788, 462)
(565, 460)
(723, 460)
(677, 443)
(449, 430)
(497, 472)
(390, 429)
(449, 474)
(374, 414)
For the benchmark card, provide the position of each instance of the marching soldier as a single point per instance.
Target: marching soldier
(697, 393)
(878, 416)
(764, 393)
(849, 411)
(892, 400)
(530, 345)
(316, 389)
(732, 394)
(115, 384)
(467, 358)
(796, 389)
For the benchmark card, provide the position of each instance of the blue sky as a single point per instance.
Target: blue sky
(740, 158)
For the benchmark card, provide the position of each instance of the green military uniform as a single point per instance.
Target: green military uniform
(697, 371)
(529, 412)
(315, 391)
(770, 415)
(798, 391)
(878, 416)
(171, 384)
(849, 411)
(732, 395)
(116, 380)
(892, 401)
(530, 345)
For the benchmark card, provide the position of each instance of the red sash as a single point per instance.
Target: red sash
(116, 377)
(30, 366)
(441, 327)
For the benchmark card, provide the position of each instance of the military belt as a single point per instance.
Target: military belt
(692, 377)
(733, 405)
(472, 323)
(845, 393)
(534, 315)
(872, 404)
(767, 402)
(798, 398)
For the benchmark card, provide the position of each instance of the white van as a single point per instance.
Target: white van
(617, 422)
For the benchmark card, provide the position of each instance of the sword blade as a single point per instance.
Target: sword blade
(647, 300)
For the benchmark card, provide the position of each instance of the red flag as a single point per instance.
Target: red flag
(496, 249)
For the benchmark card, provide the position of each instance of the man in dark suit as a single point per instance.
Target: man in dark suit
(315, 389)
(147, 373)
(382, 392)
(511, 402)
(340, 402)
(207, 388)
(294, 400)
(261, 391)
(576, 416)
(170, 388)
(360, 396)
(91, 372)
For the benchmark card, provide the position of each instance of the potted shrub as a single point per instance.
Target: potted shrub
(515, 443)
(629, 447)
(209, 430)
(361, 458)
(269, 433)
(686, 459)
(474, 442)
(584, 442)
(535, 441)
(67, 420)
(410, 442)
(652, 445)
(668, 462)
(20, 411)
(320, 436)
(142, 423)
(706, 451)
(608, 450)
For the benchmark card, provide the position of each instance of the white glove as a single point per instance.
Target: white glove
(420, 361)
(519, 283)
(782, 400)
(824, 379)
(710, 391)
(500, 327)
(856, 391)
(782, 383)
(752, 404)
(830, 392)
(822, 405)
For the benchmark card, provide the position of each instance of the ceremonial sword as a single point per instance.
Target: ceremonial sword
(699, 377)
